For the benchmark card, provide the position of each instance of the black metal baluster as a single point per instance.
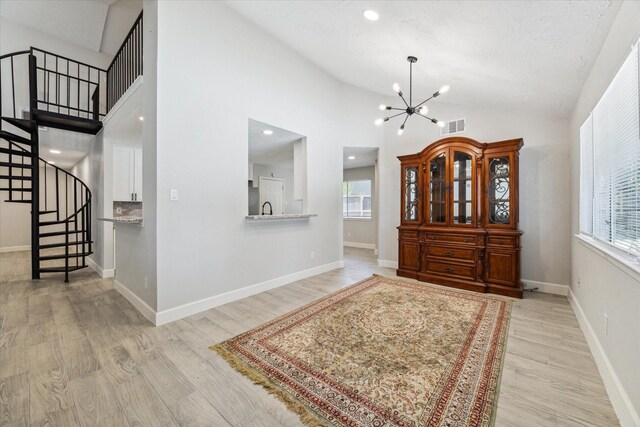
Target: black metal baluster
(57, 196)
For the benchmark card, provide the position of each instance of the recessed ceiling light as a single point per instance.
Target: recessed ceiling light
(267, 132)
(54, 151)
(141, 118)
(351, 157)
(371, 15)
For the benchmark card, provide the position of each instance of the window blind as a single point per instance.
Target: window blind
(586, 177)
(616, 160)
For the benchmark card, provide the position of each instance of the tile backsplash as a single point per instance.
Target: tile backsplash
(127, 209)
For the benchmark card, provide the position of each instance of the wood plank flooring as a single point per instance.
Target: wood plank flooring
(80, 354)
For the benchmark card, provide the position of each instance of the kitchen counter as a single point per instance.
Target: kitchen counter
(123, 220)
(278, 217)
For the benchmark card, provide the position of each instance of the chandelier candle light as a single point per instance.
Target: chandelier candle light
(420, 108)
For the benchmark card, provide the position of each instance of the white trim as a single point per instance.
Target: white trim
(360, 245)
(621, 402)
(137, 83)
(547, 288)
(387, 264)
(144, 308)
(176, 313)
(610, 254)
(15, 248)
(101, 272)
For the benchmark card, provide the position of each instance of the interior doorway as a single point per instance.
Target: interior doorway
(360, 186)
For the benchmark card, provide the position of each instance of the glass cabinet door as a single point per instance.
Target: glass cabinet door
(498, 190)
(411, 193)
(462, 188)
(438, 189)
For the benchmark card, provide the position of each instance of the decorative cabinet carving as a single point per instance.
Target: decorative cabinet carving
(459, 215)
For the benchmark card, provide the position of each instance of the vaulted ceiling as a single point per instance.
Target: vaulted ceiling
(529, 55)
(98, 25)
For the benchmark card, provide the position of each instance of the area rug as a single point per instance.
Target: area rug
(382, 352)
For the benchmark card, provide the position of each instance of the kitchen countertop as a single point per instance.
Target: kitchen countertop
(123, 220)
(276, 217)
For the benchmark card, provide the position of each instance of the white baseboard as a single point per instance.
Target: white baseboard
(387, 264)
(627, 414)
(547, 288)
(176, 313)
(15, 248)
(110, 272)
(144, 308)
(360, 245)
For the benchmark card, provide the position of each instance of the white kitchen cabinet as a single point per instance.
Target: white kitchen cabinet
(127, 174)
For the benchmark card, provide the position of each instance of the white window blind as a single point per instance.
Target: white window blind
(586, 177)
(616, 161)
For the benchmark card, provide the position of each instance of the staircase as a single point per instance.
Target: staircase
(40, 88)
(60, 202)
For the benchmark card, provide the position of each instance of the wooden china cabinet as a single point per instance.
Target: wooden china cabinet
(459, 216)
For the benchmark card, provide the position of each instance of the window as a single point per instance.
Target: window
(610, 163)
(356, 199)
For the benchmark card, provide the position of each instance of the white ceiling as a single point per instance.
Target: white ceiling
(73, 146)
(364, 156)
(98, 25)
(274, 150)
(507, 54)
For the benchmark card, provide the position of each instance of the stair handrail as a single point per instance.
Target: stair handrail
(13, 87)
(83, 185)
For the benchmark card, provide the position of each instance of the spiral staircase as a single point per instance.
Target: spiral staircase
(42, 89)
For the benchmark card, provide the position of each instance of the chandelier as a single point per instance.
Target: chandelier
(409, 109)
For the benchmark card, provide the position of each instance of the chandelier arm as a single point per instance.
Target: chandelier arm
(428, 99)
(399, 109)
(396, 115)
(432, 120)
(405, 121)
(403, 100)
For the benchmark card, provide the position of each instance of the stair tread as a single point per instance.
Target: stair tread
(15, 165)
(17, 178)
(63, 256)
(46, 212)
(60, 233)
(18, 201)
(15, 138)
(61, 245)
(62, 221)
(15, 152)
(60, 269)
(28, 190)
(24, 124)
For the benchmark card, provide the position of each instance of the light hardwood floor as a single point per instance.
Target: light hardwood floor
(80, 354)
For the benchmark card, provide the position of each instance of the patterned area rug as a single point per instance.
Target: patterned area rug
(382, 352)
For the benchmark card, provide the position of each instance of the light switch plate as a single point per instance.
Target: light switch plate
(174, 195)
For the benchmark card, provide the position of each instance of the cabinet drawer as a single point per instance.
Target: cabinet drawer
(466, 271)
(408, 235)
(450, 238)
(454, 253)
(506, 241)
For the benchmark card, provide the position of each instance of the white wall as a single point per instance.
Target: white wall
(604, 286)
(544, 179)
(15, 37)
(205, 246)
(362, 231)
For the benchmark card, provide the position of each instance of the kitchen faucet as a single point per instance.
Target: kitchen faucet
(270, 208)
